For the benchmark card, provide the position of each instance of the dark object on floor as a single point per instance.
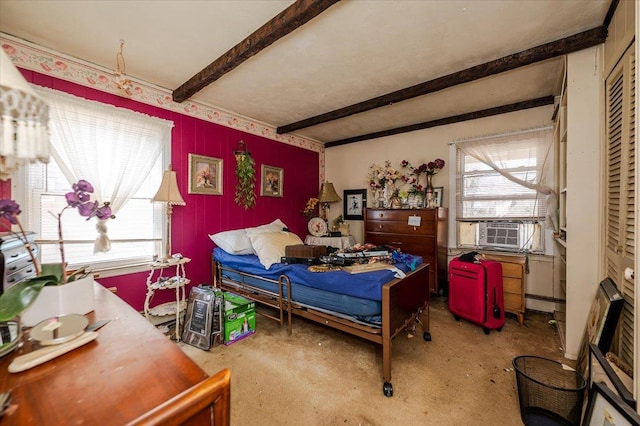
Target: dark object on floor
(203, 322)
(476, 293)
(549, 394)
(305, 251)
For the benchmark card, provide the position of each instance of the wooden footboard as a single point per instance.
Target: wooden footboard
(404, 302)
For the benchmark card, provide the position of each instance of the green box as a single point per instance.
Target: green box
(239, 318)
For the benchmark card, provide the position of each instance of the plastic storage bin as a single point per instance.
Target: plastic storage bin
(549, 394)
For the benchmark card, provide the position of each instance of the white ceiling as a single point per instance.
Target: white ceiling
(354, 51)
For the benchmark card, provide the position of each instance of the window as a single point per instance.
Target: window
(91, 141)
(502, 199)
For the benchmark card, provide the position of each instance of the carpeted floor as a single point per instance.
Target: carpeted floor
(320, 376)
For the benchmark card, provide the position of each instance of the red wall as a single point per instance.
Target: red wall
(207, 214)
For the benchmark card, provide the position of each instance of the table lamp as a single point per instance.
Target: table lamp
(327, 196)
(169, 193)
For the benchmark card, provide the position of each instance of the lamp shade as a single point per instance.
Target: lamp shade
(328, 193)
(168, 191)
(24, 118)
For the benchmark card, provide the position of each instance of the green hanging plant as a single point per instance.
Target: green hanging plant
(246, 180)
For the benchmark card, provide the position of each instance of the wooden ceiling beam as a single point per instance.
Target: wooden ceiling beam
(503, 109)
(296, 15)
(540, 53)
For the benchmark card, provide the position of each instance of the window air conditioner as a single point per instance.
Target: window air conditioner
(500, 234)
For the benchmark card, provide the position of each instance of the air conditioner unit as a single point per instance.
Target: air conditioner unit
(500, 234)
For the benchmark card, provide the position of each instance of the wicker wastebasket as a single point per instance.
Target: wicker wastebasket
(549, 394)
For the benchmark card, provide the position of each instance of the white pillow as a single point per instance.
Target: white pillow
(234, 242)
(275, 226)
(237, 241)
(270, 246)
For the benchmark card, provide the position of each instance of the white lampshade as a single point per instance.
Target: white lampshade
(168, 191)
(24, 116)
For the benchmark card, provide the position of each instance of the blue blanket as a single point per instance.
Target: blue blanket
(367, 285)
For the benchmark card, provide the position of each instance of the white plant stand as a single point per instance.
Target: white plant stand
(176, 282)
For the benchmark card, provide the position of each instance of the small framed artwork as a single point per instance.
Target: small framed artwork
(438, 194)
(605, 408)
(272, 181)
(354, 202)
(205, 175)
(601, 371)
(601, 323)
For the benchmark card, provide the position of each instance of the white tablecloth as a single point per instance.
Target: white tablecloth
(337, 242)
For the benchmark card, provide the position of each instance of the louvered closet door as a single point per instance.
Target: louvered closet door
(620, 192)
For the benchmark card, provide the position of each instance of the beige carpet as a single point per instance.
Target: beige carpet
(319, 376)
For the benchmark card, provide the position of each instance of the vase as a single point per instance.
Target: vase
(75, 297)
(429, 196)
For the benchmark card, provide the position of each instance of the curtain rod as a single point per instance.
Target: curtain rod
(498, 135)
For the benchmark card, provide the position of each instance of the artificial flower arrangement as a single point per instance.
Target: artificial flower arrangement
(380, 176)
(18, 297)
(310, 209)
(429, 169)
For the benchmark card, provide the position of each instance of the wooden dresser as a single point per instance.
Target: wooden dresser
(513, 281)
(428, 239)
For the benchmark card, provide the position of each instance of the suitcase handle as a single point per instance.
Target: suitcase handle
(496, 308)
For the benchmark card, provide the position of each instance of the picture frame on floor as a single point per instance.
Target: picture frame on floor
(602, 371)
(601, 323)
(605, 408)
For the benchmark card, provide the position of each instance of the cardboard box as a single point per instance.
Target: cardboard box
(239, 318)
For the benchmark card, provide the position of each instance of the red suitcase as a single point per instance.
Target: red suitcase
(476, 294)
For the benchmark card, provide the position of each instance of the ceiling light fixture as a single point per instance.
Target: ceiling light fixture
(24, 116)
(122, 81)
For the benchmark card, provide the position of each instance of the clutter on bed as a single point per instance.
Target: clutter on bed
(376, 305)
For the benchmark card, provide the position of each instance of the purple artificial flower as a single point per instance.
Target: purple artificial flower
(82, 186)
(439, 163)
(72, 199)
(104, 212)
(9, 210)
(87, 209)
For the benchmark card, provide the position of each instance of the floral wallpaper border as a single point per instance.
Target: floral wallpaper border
(39, 59)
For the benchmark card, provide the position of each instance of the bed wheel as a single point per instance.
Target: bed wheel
(426, 336)
(387, 389)
(456, 317)
(486, 330)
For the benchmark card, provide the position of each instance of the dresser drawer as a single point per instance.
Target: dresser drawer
(511, 270)
(419, 245)
(401, 215)
(512, 285)
(396, 227)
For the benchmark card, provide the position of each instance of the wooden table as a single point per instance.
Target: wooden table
(130, 368)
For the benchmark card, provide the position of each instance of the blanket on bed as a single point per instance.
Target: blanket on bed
(366, 285)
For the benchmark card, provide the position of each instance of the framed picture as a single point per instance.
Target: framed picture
(601, 323)
(272, 181)
(438, 194)
(601, 371)
(354, 202)
(205, 175)
(605, 408)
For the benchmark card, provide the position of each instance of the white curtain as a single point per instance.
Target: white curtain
(112, 148)
(496, 152)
